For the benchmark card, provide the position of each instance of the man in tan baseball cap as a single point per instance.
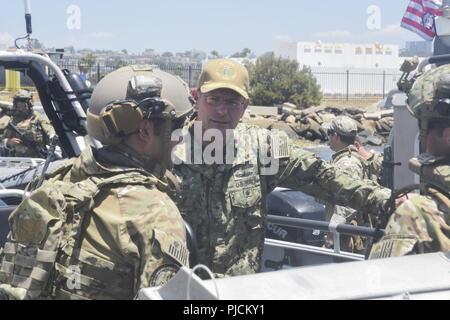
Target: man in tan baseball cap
(224, 74)
(224, 202)
(222, 94)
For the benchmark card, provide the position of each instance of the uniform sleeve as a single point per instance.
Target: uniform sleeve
(154, 226)
(417, 226)
(47, 128)
(303, 171)
(6, 134)
(354, 169)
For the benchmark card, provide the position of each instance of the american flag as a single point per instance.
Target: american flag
(419, 17)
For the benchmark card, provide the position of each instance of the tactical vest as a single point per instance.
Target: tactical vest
(43, 257)
(435, 178)
(435, 183)
(30, 128)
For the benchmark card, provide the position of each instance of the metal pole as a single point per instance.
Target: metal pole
(384, 83)
(346, 229)
(190, 76)
(348, 81)
(98, 72)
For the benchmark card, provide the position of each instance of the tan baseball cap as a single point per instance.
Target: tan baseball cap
(224, 73)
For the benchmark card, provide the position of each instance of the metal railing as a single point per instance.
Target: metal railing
(335, 229)
(353, 85)
(348, 85)
(95, 72)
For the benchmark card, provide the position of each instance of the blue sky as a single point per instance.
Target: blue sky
(225, 26)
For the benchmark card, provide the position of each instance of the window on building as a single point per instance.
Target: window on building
(338, 50)
(328, 50)
(358, 51)
(307, 50)
(369, 51)
(388, 52)
(318, 50)
(378, 52)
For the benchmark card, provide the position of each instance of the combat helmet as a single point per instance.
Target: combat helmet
(23, 96)
(126, 96)
(429, 98)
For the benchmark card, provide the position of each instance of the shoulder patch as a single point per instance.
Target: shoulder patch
(172, 247)
(280, 145)
(163, 274)
(393, 246)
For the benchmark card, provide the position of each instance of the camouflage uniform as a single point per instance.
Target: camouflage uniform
(349, 160)
(5, 117)
(35, 127)
(422, 223)
(225, 203)
(374, 165)
(103, 226)
(134, 236)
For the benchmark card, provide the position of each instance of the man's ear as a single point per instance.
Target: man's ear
(246, 103)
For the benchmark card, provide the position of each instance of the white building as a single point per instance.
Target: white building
(345, 68)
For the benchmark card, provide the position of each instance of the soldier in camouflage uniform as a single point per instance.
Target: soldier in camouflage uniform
(134, 237)
(32, 125)
(422, 223)
(342, 135)
(225, 201)
(5, 115)
(373, 161)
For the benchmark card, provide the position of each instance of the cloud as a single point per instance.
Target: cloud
(6, 40)
(392, 30)
(332, 34)
(392, 33)
(102, 35)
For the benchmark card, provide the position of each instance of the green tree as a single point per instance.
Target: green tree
(274, 81)
(245, 53)
(214, 54)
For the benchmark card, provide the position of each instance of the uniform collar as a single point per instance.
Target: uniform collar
(349, 150)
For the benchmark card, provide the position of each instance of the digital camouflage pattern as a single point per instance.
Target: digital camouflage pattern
(133, 237)
(351, 162)
(422, 223)
(373, 166)
(225, 203)
(35, 127)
